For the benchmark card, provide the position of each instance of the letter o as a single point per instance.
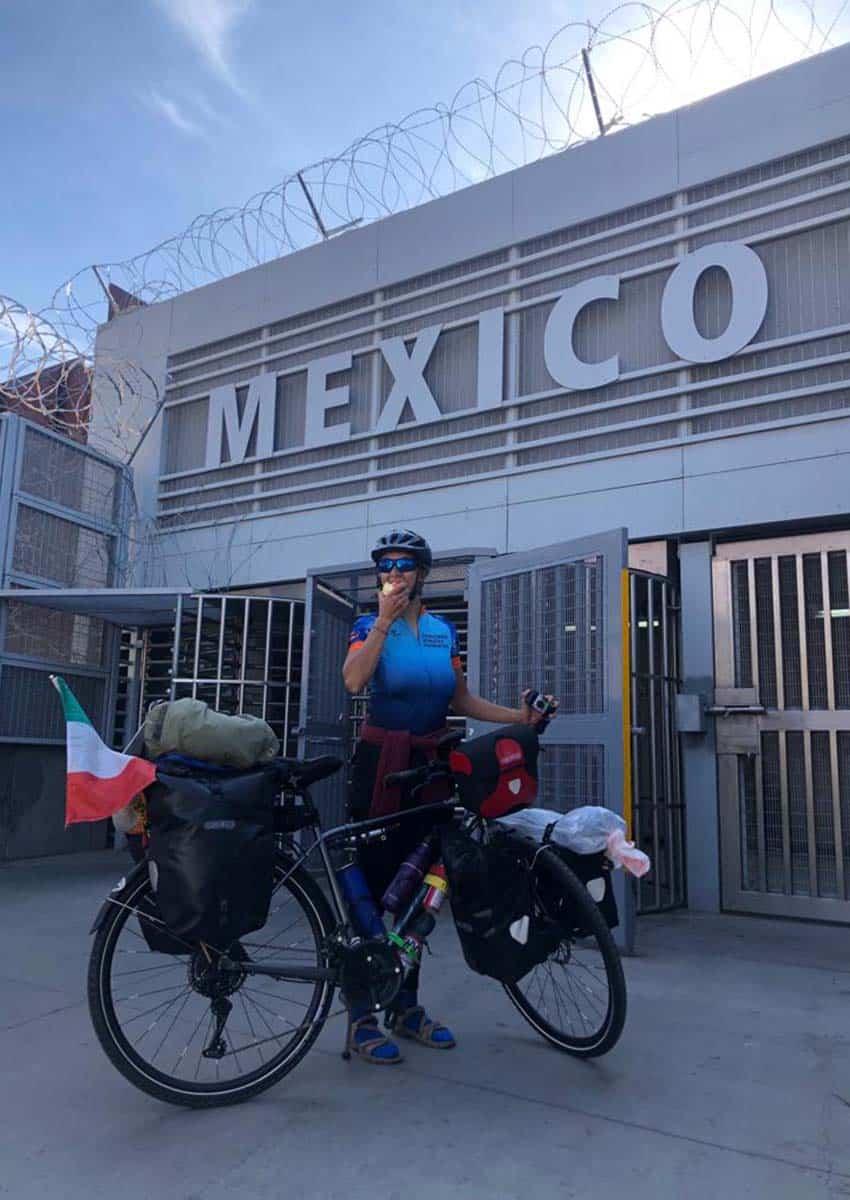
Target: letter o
(748, 280)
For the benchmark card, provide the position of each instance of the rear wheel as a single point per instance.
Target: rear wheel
(156, 1014)
(576, 998)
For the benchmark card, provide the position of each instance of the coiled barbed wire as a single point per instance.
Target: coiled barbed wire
(589, 78)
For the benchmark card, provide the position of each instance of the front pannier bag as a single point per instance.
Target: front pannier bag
(211, 852)
(497, 772)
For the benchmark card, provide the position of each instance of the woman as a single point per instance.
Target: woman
(409, 660)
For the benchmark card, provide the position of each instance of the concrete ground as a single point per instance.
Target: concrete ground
(732, 1079)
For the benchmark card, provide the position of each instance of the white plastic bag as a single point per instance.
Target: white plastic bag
(584, 830)
(625, 854)
(587, 830)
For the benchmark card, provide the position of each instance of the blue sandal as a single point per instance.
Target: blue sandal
(367, 1042)
(414, 1023)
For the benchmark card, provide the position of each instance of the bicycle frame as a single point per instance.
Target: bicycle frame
(351, 830)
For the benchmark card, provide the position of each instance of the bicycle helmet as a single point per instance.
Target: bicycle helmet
(404, 539)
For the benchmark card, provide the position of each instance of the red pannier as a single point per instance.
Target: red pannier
(496, 773)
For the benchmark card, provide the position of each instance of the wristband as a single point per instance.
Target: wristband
(380, 629)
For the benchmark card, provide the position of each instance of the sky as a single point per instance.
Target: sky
(122, 122)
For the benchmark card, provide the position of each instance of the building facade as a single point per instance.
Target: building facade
(649, 333)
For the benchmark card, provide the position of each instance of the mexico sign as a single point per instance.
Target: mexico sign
(407, 358)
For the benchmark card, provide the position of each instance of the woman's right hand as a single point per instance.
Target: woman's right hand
(393, 604)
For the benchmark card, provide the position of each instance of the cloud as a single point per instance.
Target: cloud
(175, 115)
(208, 25)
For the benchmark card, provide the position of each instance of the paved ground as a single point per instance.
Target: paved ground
(732, 1079)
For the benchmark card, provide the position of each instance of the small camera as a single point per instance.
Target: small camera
(540, 704)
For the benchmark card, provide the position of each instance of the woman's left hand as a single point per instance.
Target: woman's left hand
(529, 716)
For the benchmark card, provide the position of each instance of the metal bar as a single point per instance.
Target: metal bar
(653, 734)
(777, 631)
(758, 787)
(198, 624)
(667, 738)
(801, 624)
(811, 833)
(837, 823)
(625, 584)
(319, 222)
(242, 663)
(827, 630)
(635, 750)
(175, 653)
(267, 663)
(222, 618)
(724, 644)
(754, 650)
(289, 971)
(785, 814)
(288, 690)
(592, 85)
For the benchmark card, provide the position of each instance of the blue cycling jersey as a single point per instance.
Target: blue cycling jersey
(415, 678)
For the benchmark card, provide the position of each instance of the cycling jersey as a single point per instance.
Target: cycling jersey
(414, 680)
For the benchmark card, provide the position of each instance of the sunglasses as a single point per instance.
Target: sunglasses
(385, 565)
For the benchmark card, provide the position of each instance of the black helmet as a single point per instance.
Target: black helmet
(404, 539)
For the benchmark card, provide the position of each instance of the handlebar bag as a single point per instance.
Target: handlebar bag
(502, 931)
(211, 852)
(496, 773)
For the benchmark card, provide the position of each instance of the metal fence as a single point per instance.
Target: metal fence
(64, 514)
(657, 800)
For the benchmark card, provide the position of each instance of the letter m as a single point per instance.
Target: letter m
(225, 418)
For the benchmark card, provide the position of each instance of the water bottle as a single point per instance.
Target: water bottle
(408, 877)
(409, 943)
(363, 909)
(438, 886)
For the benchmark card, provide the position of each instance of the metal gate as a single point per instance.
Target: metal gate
(657, 805)
(240, 654)
(554, 618)
(782, 701)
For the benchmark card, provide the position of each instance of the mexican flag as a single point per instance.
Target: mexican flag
(100, 780)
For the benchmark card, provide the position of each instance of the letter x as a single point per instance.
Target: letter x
(409, 382)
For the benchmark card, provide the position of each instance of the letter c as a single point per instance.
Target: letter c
(561, 360)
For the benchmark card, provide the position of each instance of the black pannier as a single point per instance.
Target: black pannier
(595, 872)
(496, 773)
(211, 852)
(502, 931)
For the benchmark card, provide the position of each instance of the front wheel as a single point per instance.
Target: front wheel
(576, 998)
(156, 1011)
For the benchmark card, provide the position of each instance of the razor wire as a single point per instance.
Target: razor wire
(589, 79)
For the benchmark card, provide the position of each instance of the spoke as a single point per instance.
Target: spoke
(185, 1049)
(156, 1008)
(276, 996)
(177, 965)
(174, 987)
(173, 1023)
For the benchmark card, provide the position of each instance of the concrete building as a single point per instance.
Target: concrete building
(632, 356)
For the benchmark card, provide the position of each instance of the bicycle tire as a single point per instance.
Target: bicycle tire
(557, 878)
(190, 1093)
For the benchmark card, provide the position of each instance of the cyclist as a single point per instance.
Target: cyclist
(409, 659)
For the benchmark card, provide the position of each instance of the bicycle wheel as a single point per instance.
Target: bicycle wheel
(153, 1012)
(576, 998)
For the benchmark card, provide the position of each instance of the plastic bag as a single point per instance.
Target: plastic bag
(625, 854)
(587, 830)
(584, 830)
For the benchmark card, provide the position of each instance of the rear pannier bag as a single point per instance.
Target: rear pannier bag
(497, 772)
(502, 931)
(211, 852)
